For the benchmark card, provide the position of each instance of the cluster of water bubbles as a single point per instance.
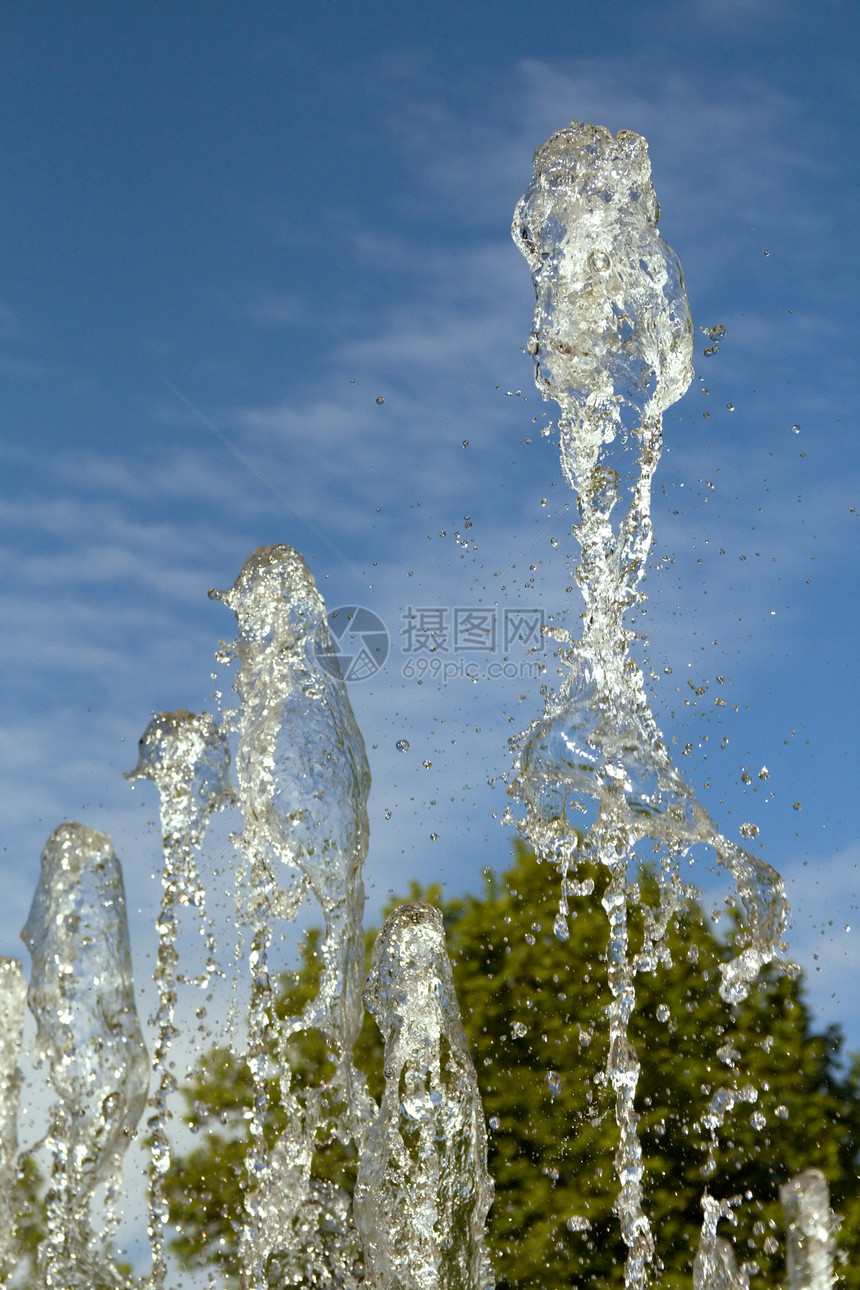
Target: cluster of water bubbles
(612, 342)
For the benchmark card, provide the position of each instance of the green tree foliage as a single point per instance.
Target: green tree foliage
(534, 1009)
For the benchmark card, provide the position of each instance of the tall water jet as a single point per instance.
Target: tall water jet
(303, 783)
(82, 996)
(612, 343)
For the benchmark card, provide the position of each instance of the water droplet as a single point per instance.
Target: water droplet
(767, 252)
(757, 1120)
(494, 1122)
(748, 830)
(553, 1083)
(560, 927)
(663, 1012)
(380, 399)
(731, 407)
(465, 443)
(402, 745)
(576, 1223)
(434, 837)
(764, 773)
(533, 344)
(599, 261)
(797, 806)
(518, 1030)
(795, 429)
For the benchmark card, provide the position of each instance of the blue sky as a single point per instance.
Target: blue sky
(290, 212)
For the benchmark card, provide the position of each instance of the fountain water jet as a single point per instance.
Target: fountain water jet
(612, 343)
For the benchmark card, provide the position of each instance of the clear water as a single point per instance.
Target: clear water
(593, 780)
(612, 342)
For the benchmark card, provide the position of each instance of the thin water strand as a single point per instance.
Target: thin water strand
(82, 995)
(187, 757)
(423, 1190)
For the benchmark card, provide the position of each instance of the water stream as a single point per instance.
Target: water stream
(612, 342)
(593, 781)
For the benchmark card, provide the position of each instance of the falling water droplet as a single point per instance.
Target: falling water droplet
(553, 1083)
(402, 745)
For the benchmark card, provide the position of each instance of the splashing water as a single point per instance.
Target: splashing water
(612, 342)
(423, 1191)
(82, 996)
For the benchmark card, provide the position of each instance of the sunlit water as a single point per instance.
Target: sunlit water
(612, 343)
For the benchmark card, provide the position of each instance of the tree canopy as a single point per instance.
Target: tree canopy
(534, 1012)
